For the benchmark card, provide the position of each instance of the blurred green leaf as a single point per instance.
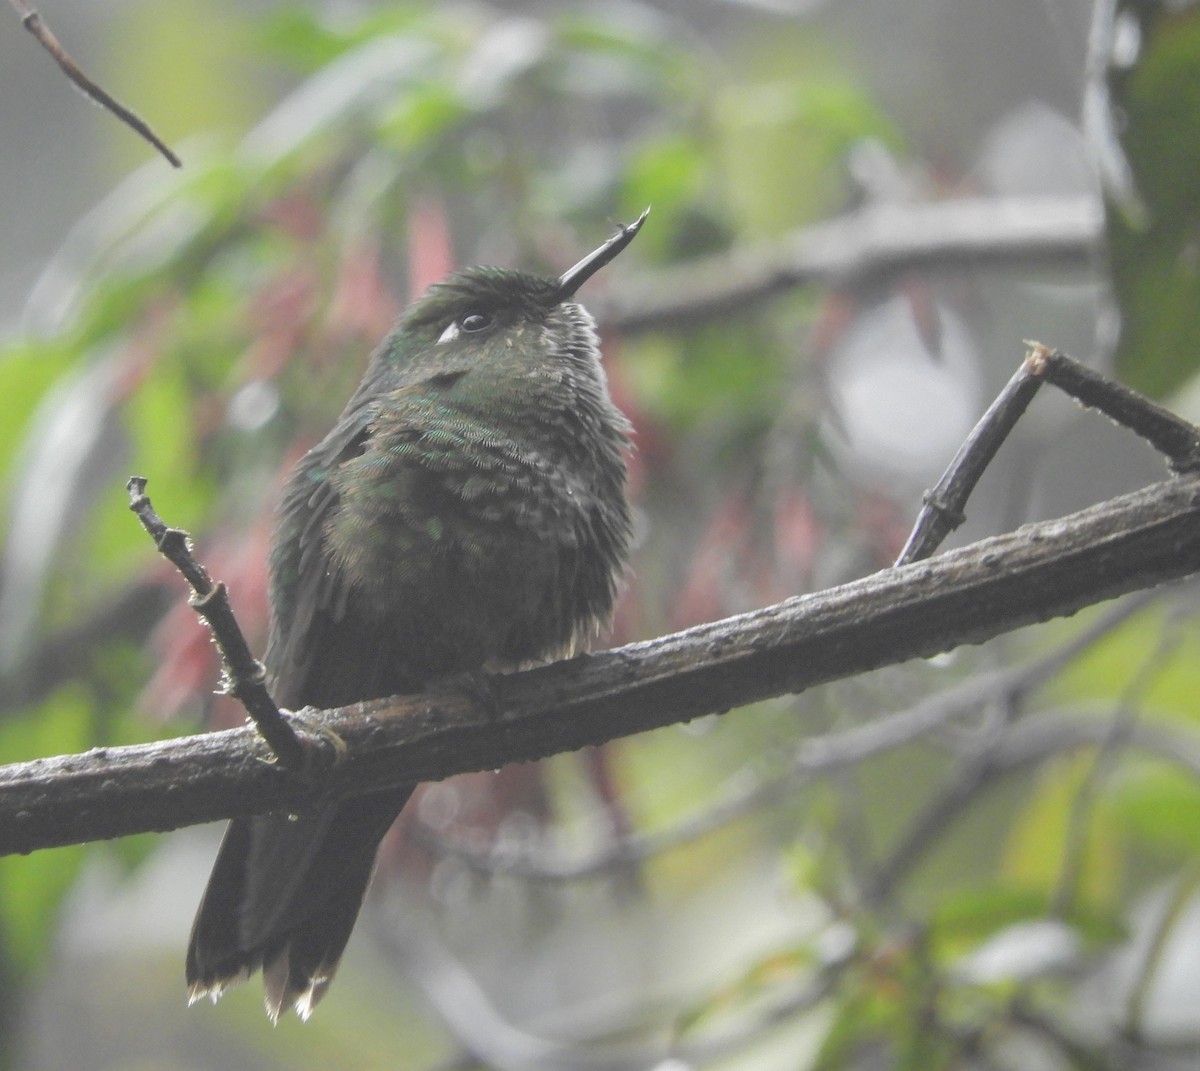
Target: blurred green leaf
(1110, 667)
(1035, 853)
(1159, 806)
(28, 369)
(967, 917)
(783, 146)
(188, 75)
(1155, 268)
(717, 377)
(311, 37)
(418, 118)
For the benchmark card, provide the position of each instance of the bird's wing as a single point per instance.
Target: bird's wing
(305, 591)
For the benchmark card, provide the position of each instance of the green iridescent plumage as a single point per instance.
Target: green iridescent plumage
(466, 513)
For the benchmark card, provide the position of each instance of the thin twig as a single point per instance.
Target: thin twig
(944, 505)
(1173, 437)
(36, 25)
(244, 677)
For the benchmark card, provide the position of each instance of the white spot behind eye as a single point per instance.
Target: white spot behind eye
(450, 334)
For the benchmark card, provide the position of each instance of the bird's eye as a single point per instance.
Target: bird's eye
(471, 324)
(475, 321)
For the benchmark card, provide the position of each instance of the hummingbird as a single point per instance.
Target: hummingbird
(467, 514)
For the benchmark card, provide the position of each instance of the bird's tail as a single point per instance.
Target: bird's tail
(284, 895)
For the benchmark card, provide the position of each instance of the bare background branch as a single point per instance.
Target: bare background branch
(877, 240)
(36, 25)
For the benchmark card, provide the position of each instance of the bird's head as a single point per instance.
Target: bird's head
(500, 319)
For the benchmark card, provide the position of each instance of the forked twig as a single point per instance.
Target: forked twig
(1173, 437)
(943, 507)
(1176, 439)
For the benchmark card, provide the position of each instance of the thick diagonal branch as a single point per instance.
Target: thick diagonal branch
(965, 596)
